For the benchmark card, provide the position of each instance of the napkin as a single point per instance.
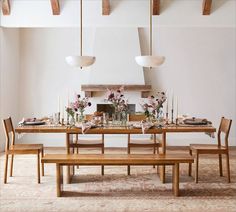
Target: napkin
(145, 126)
(85, 126)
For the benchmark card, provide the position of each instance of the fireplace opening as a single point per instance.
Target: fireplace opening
(107, 108)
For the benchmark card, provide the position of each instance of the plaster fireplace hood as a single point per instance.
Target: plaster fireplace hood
(115, 50)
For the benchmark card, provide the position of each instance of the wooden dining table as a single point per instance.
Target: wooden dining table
(117, 130)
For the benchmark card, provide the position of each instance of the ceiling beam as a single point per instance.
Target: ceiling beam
(55, 7)
(106, 8)
(206, 7)
(156, 6)
(6, 7)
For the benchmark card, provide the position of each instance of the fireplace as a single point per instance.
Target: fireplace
(107, 108)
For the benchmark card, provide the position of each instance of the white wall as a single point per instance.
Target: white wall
(9, 77)
(200, 68)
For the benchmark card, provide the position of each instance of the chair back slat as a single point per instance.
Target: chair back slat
(9, 130)
(225, 126)
(137, 117)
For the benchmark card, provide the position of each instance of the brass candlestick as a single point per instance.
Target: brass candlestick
(177, 121)
(172, 116)
(167, 121)
(67, 121)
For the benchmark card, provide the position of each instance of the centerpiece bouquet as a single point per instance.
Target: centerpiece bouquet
(117, 99)
(118, 102)
(78, 107)
(153, 106)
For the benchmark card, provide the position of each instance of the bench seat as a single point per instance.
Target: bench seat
(117, 159)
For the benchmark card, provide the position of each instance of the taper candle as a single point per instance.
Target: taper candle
(58, 103)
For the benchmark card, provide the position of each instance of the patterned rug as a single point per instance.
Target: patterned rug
(142, 191)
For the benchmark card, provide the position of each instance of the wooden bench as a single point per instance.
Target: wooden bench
(117, 159)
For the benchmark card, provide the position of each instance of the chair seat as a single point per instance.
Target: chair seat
(144, 141)
(89, 142)
(26, 147)
(206, 147)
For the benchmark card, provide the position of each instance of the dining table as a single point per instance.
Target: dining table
(162, 130)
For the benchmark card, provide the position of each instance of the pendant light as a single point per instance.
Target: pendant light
(80, 61)
(150, 60)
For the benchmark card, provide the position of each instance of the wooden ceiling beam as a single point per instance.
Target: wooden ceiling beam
(55, 7)
(106, 7)
(6, 9)
(206, 7)
(156, 6)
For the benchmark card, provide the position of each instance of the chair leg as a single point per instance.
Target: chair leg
(102, 167)
(5, 174)
(38, 166)
(158, 154)
(42, 164)
(228, 167)
(128, 167)
(220, 165)
(154, 152)
(11, 171)
(196, 171)
(190, 164)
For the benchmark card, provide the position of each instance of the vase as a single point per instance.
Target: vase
(81, 116)
(72, 121)
(159, 115)
(116, 118)
(123, 118)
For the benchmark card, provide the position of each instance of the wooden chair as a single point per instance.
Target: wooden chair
(142, 143)
(218, 149)
(13, 149)
(88, 143)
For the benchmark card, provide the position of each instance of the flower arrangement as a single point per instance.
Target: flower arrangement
(117, 99)
(78, 106)
(154, 105)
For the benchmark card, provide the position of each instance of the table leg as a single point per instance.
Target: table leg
(68, 177)
(162, 168)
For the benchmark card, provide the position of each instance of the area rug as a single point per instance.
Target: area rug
(115, 191)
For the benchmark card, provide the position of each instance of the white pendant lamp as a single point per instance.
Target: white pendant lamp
(150, 61)
(80, 60)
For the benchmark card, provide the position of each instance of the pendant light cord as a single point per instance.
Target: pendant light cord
(150, 48)
(81, 28)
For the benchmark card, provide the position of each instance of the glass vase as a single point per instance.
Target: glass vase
(116, 118)
(81, 116)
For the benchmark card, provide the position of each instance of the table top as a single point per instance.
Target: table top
(114, 130)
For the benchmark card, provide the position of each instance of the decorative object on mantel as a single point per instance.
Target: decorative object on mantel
(89, 89)
(77, 109)
(120, 104)
(150, 60)
(80, 61)
(153, 107)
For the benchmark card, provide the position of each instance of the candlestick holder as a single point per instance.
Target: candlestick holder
(167, 120)
(67, 120)
(172, 116)
(59, 118)
(177, 121)
(62, 122)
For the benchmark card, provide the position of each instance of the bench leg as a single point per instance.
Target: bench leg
(162, 171)
(175, 183)
(59, 176)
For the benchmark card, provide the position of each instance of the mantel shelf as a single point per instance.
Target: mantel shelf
(89, 89)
